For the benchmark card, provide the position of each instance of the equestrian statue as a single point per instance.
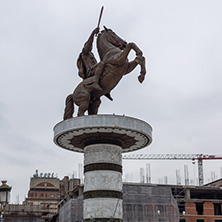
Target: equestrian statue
(99, 78)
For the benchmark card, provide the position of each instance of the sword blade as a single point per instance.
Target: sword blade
(100, 16)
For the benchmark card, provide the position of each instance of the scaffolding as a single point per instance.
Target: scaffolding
(141, 203)
(72, 210)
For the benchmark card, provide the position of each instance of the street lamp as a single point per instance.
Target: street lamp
(4, 197)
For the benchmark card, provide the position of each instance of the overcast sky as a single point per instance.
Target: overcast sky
(181, 97)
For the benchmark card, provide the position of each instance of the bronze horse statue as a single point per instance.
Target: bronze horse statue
(113, 52)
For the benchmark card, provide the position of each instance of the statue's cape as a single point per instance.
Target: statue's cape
(81, 67)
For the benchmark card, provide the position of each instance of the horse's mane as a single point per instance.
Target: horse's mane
(103, 43)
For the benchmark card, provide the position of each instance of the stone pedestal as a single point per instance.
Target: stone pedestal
(102, 181)
(102, 139)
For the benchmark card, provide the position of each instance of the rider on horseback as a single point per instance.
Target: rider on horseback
(87, 63)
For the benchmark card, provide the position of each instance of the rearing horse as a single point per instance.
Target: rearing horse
(113, 52)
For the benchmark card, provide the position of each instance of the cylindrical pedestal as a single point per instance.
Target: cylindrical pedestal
(103, 182)
(102, 139)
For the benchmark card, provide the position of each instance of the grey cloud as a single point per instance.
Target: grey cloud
(181, 97)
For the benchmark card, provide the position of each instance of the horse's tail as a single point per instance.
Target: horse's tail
(69, 109)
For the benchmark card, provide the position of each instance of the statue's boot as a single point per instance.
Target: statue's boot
(98, 72)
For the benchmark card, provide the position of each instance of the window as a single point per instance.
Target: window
(129, 208)
(217, 209)
(199, 209)
(146, 212)
(182, 220)
(140, 207)
(200, 220)
(52, 195)
(181, 206)
(161, 210)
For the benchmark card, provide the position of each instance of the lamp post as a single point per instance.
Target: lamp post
(4, 197)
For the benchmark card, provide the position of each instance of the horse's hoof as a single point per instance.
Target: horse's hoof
(141, 78)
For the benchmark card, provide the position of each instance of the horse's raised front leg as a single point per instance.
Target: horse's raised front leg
(141, 77)
(140, 60)
(121, 57)
(133, 64)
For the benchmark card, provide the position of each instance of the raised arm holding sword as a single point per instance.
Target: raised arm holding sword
(87, 63)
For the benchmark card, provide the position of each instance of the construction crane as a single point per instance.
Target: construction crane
(193, 157)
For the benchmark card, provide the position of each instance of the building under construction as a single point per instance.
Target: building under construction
(153, 203)
(141, 202)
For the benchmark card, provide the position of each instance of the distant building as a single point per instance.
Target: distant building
(45, 192)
